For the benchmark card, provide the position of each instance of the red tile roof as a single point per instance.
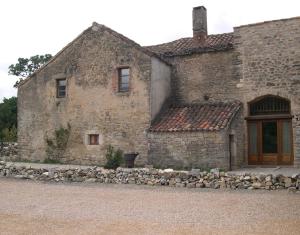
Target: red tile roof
(186, 46)
(196, 117)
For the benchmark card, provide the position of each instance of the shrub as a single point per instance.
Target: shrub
(9, 134)
(114, 158)
(58, 144)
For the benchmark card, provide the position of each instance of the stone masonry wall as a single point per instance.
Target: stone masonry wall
(92, 104)
(207, 74)
(206, 149)
(8, 151)
(154, 177)
(267, 62)
(236, 129)
(186, 150)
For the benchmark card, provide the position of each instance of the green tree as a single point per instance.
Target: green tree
(9, 135)
(25, 67)
(8, 119)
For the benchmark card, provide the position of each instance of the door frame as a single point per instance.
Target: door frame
(260, 156)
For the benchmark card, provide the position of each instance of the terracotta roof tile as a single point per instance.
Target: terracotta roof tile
(196, 117)
(186, 46)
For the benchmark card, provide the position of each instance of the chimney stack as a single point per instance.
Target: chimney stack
(199, 24)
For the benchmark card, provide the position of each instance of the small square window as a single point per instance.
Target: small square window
(123, 74)
(61, 88)
(94, 139)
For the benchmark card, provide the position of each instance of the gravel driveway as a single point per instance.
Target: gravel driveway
(46, 208)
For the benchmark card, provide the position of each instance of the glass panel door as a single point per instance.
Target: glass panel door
(286, 141)
(270, 142)
(269, 137)
(286, 137)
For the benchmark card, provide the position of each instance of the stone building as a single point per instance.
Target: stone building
(223, 100)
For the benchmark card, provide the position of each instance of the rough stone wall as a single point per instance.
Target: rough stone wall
(208, 74)
(186, 150)
(92, 105)
(154, 177)
(267, 61)
(9, 151)
(236, 129)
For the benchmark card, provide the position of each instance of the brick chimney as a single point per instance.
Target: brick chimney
(199, 24)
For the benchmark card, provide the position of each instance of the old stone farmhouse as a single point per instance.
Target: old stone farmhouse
(223, 100)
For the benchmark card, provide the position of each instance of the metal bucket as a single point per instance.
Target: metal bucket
(129, 159)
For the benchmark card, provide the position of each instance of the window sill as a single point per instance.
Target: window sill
(92, 147)
(122, 93)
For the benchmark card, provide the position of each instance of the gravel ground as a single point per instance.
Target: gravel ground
(28, 207)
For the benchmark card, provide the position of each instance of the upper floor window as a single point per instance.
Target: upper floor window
(61, 88)
(123, 79)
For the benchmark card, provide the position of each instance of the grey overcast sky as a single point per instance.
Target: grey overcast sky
(38, 27)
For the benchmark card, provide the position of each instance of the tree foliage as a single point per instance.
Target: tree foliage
(8, 119)
(26, 66)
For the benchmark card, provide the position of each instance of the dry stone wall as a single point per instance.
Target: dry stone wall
(9, 151)
(154, 177)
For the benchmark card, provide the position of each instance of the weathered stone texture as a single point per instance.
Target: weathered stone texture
(206, 149)
(188, 150)
(89, 64)
(200, 75)
(195, 178)
(9, 151)
(236, 129)
(267, 62)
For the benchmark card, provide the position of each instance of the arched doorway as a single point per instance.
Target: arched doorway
(270, 131)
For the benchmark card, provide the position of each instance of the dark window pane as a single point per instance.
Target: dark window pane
(286, 135)
(269, 135)
(61, 92)
(94, 139)
(124, 87)
(253, 138)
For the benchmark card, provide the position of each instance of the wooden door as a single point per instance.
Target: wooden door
(270, 142)
(253, 142)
